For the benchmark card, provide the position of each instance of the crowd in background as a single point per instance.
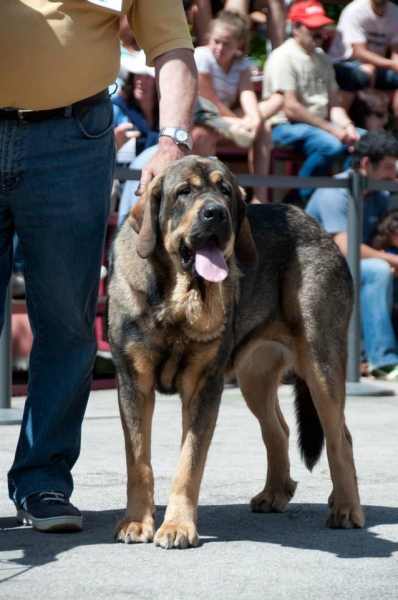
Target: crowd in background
(312, 87)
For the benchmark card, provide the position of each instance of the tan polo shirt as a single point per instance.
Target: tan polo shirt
(290, 68)
(55, 53)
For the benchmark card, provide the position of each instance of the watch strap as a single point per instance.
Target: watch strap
(173, 132)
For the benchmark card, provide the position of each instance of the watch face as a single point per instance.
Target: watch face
(181, 135)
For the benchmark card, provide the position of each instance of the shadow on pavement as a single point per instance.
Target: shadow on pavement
(302, 526)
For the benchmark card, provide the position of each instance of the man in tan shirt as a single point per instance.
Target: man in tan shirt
(312, 119)
(57, 60)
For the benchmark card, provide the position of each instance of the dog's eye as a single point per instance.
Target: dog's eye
(224, 190)
(184, 191)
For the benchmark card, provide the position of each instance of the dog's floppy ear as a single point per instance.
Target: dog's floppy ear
(143, 218)
(245, 247)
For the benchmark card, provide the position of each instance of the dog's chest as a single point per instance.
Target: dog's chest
(182, 364)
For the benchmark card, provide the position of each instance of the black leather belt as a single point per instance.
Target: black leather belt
(34, 116)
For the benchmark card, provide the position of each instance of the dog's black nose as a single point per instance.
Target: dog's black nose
(214, 213)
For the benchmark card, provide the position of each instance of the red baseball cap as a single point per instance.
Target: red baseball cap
(310, 13)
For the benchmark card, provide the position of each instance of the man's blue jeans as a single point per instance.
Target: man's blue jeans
(351, 77)
(56, 179)
(321, 148)
(376, 309)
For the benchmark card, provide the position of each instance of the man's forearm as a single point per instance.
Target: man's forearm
(339, 116)
(367, 56)
(300, 114)
(177, 85)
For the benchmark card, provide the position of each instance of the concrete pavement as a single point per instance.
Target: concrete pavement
(241, 555)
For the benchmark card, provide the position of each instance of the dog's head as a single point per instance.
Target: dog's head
(198, 209)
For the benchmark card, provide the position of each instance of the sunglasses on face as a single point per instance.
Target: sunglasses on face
(319, 37)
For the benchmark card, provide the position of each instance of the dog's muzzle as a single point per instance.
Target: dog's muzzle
(207, 240)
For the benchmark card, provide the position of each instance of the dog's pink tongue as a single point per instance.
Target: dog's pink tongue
(210, 264)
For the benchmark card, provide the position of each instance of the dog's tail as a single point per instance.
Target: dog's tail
(310, 432)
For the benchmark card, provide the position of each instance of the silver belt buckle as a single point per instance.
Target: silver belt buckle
(21, 114)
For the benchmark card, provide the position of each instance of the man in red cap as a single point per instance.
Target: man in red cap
(312, 119)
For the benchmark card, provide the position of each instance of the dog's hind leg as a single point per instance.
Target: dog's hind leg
(325, 379)
(258, 376)
(136, 403)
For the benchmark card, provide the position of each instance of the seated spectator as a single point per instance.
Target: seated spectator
(312, 119)
(136, 108)
(275, 19)
(225, 81)
(366, 32)
(374, 156)
(370, 109)
(136, 119)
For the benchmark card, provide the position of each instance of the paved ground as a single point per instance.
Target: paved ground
(241, 555)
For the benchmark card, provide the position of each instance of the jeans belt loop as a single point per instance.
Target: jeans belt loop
(68, 110)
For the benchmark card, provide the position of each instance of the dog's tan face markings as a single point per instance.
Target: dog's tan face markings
(216, 177)
(195, 181)
(184, 225)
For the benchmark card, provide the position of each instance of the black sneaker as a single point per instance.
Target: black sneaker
(50, 512)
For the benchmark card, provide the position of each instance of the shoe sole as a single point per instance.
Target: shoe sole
(64, 524)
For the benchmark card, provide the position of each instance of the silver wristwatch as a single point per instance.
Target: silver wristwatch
(178, 134)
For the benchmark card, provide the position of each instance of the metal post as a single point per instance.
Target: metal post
(355, 217)
(5, 355)
(354, 387)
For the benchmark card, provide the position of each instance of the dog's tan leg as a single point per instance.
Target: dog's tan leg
(327, 387)
(199, 419)
(258, 378)
(136, 409)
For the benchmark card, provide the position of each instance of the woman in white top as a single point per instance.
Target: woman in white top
(225, 80)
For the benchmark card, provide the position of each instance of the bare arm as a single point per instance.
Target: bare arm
(201, 20)
(206, 89)
(362, 53)
(366, 251)
(270, 106)
(177, 86)
(276, 22)
(295, 111)
(342, 129)
(339, 115)
(248, 101)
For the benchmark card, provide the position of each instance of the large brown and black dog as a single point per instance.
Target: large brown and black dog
(200, 288)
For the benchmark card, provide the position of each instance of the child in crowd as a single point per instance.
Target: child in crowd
(370, 109)
(386, 237)
(225, 82)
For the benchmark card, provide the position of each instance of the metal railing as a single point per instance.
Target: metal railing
(355, 183)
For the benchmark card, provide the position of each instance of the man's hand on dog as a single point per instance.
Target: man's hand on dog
(167, 151)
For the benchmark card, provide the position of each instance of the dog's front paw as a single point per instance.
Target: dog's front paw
(270, 500)
(345, 517)
(131, 532)
(176, 536)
